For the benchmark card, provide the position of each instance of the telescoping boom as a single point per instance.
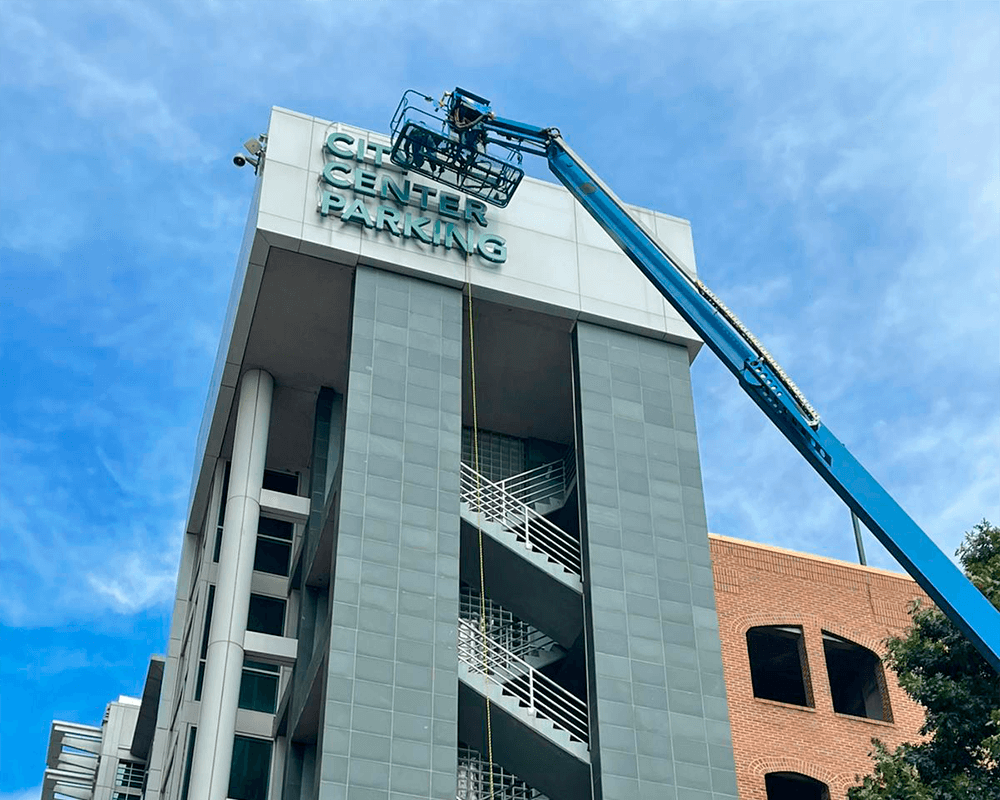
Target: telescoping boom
(460, 142)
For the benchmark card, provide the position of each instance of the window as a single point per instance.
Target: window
(250, 769)
(203, 653)
(189, 759)
(500, 456)
(130, 774)
(778, 668)
(222, 516)
(284, 482)
(266, 615)
(274, 546)
(794, 786)
(857, 680)
(259, 686)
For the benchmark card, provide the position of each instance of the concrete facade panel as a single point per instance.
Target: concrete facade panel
(392, 697)
(652, 632)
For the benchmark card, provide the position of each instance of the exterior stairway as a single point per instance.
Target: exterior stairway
(522, 691)
(546, 488)
(540, 730)
(477, 781)
(513, 634)
(497, 512)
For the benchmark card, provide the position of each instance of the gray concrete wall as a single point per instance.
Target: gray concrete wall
(390, 718)
(661, 727)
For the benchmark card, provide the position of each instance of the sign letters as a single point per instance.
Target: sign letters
(358, 193)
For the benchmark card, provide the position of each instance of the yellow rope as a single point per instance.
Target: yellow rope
(479, 526)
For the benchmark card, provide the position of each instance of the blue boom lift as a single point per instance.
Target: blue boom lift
(456, 142)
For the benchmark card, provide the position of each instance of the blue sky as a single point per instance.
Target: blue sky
(840, 165)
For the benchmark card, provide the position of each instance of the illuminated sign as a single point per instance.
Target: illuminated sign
(375, 195)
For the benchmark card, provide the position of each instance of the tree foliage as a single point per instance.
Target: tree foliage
(939, 668)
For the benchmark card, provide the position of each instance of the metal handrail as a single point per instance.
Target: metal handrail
(569, 472)
(477, 776)
(538, 484)
(518, 636)
(516, 677)
(537, 532)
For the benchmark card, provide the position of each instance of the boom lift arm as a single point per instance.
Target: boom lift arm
(449, 144)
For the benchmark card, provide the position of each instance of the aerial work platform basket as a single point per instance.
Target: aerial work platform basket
(447, 144)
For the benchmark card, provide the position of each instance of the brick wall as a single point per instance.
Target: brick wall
(761, 585)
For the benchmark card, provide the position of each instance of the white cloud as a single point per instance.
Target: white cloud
(73, 552)
(135, 581)
(22, 794)
(38, 58)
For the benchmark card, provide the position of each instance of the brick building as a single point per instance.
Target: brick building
(806, 692)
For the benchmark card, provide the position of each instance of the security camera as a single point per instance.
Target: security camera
(239, 160)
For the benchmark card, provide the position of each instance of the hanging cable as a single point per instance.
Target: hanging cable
(479, 528)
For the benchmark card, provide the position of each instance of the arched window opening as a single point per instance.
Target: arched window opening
(794, 786)
(778, 667)
(857, 680)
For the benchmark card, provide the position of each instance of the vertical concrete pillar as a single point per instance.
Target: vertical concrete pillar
(389, 723)
(223, 670)
(660, 724)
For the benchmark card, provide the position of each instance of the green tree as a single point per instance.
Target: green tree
(940, 669)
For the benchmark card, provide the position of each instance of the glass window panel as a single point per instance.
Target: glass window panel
(272, 557)
(260, 666)
(130, 774)
(225, 495)
(284, 482)
(266, 615)
(186, 784)
(199, 681)
(275, 529)
(209, 606)
(258, 692)
(251, 768)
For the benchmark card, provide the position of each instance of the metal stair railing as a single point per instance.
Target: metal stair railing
(475, 780)
(516, 635)
(537, 532)
(536, 485)
(569, 472)
(541, 695)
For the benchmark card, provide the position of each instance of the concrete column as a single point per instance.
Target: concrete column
(223, 670)
(659, 723)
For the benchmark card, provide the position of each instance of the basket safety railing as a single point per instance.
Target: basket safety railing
(475, 780)
(535, 531)
(540, 695)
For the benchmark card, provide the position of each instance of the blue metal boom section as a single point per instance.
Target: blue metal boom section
(756, 372)
(932, 569)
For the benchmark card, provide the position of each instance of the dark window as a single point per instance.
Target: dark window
(189, 758)
(250, 769)
(274, 546)
(778, 667)
(203, 653)
(284, 482)
(199, 681)
(266, 615)
(130, 774)
(793, 786)
(222, 515)
(259, 686)
(857, 680)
